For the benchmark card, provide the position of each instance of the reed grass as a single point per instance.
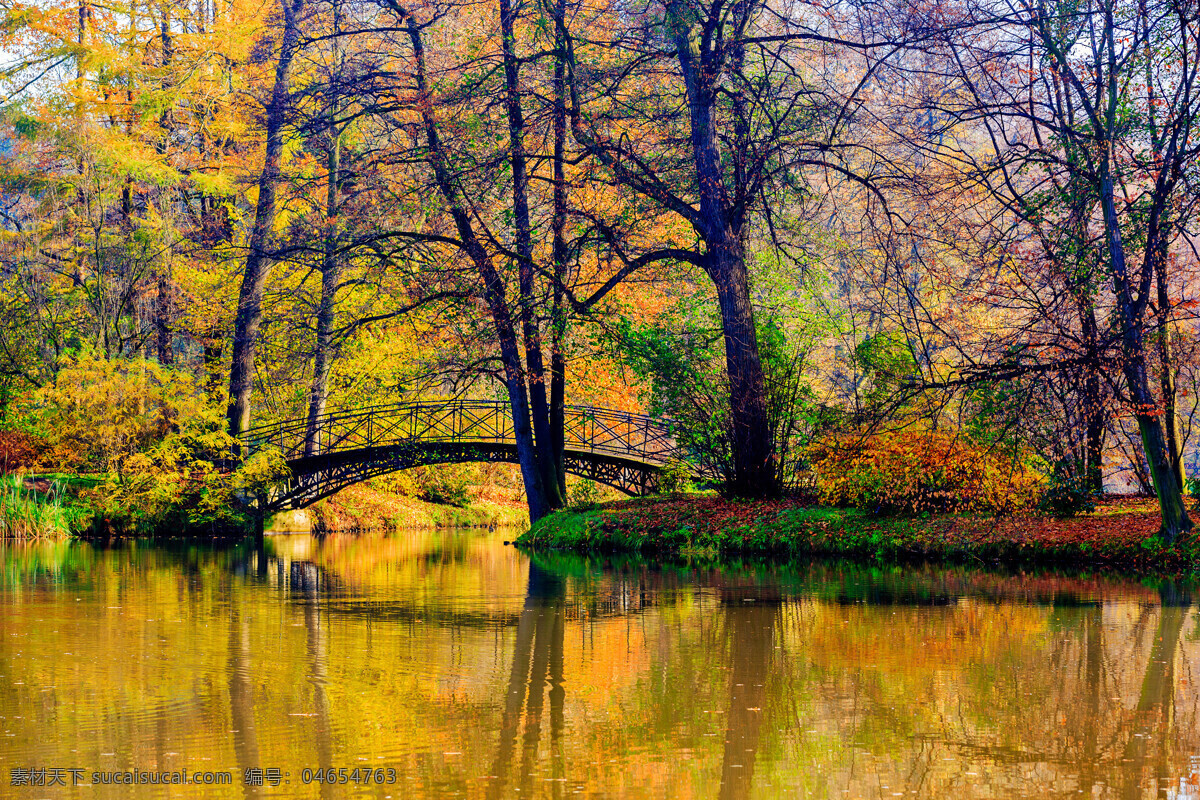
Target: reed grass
(27, 514)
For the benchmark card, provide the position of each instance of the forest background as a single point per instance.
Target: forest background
(935, 256)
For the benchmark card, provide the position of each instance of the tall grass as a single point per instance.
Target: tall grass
(25, 514)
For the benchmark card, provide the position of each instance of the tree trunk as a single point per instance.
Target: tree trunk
(1170, 414)
(530, 327)
(254, 278)
(493, 285)
(331, 276)
(558, 224)
(1163, 471)
(1175, 518)
(1166, 376)
(754, 473)
(753, 449)
(1093, 402)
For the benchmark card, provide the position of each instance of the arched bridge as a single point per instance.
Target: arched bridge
(626, 451)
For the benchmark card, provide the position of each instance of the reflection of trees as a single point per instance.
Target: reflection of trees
(537, 663)
(306, 580)
(751, 616)
(1093, 658)
(1156, 700)
(1081, 727)
(241, 699)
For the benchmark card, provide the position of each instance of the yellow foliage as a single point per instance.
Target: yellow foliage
(913, 471)
(100, 412)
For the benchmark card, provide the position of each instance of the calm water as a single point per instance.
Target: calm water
(447, 664)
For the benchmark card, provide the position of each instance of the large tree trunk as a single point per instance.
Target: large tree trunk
(753, 447)
(1163, 470)
(493, 285)
(558, 223)
(1166, 373)
(753, 468)
(1175, 518)
(530, 327)
(331, 276)
(254, 278)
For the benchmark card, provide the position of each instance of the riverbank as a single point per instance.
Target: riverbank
(1118, 535)
(56, 507)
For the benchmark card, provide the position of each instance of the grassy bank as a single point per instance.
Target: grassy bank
(1118, 535)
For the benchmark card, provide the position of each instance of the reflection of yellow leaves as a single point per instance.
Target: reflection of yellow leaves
(948, 637)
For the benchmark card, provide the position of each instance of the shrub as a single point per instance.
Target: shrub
(584, 495)
(686, 371)
(675, 478)
(19, 450)
(915, 471)
(99, 412)
(1067, 496)
(446, 486)
(180, 483)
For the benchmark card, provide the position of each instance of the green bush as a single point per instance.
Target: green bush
(1067, 496)
(685, 367)
(448, 488)
(584, 495)
(674, 478)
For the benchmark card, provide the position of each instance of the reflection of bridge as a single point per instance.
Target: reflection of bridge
(623, 450)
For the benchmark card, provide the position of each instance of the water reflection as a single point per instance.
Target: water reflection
(467, 668)
(241, 699)
(751, 615)
(535, 677)
(1154, 715)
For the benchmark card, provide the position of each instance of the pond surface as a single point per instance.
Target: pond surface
(448, 664)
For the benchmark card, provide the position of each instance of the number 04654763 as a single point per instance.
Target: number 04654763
(345, 775)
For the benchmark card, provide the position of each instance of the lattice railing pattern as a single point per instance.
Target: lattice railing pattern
(588, 430)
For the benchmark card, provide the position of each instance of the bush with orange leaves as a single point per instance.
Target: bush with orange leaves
(19, 450)
(917, 471)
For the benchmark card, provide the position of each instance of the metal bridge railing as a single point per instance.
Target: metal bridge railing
(599, 431)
